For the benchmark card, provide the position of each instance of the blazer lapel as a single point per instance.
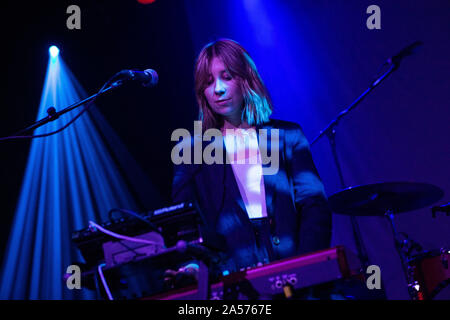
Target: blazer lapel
(233, 188)
(225, 185)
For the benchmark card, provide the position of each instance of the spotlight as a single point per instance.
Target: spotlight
(54, 51)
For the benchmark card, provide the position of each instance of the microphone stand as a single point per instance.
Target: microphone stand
(53, 114)
(330, 132)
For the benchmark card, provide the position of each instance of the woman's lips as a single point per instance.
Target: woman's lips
(222, 102)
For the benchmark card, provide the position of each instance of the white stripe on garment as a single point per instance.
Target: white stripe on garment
(243, 152)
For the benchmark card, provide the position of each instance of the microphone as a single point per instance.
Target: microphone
(148, 77)
(407, 51)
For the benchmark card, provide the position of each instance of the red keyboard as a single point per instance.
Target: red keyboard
(279, 277)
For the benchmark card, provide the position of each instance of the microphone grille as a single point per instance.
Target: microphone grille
(153, 78)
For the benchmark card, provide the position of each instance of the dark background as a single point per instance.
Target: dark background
(316, 57)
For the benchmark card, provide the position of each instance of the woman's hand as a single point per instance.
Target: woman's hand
(182, 277)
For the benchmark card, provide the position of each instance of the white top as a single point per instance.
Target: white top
(243, 153)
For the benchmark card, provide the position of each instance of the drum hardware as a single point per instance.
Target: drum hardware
(330, 131)
(409, 245)
(412, 283)
(431, 271)
(444, 257)
(443, 208)
(388, 199)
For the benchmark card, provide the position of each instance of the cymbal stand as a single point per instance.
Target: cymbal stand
(408, 271)
(330, 132)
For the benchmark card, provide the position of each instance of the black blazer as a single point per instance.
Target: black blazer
(300, 219)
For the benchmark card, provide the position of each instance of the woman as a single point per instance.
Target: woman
(263, 217)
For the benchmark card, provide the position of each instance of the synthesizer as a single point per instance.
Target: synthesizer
(277, 278)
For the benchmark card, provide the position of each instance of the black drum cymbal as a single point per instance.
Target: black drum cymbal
(376, 199)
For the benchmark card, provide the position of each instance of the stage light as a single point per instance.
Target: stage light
(54, 51)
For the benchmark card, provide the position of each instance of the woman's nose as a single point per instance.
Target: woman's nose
(219, 88)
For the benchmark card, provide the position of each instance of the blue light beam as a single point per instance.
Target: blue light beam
(70, 178)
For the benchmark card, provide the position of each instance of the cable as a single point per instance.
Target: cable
(105, 285)
(134, 214)
(86, 107)
(53, 132)
(119, 236)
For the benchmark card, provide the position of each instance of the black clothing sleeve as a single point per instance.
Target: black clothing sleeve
(309, 196)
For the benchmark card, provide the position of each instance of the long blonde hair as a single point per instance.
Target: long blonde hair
(257, 103)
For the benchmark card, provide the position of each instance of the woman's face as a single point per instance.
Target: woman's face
(224, 93)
